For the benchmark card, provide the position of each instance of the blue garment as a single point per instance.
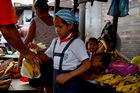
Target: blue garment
(71, 86)
(119, 7)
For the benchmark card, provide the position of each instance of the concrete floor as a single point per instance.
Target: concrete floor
(16, 84)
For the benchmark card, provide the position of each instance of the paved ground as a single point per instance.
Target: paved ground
(16, 84)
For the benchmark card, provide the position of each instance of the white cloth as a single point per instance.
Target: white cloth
(93, 81)
(73, 56)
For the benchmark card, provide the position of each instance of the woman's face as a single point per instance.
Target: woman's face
(61, 28)
(37, 12)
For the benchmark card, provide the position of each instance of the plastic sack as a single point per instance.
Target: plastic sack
(28, 71)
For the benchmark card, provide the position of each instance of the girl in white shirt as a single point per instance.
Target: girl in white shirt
(68, 53)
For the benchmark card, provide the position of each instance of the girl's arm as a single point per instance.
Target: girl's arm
(62, 78)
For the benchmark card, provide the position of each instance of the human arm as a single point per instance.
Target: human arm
(11, 34)
(29, 38)
(62, 78)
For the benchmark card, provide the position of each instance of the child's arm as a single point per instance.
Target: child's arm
(62, 78)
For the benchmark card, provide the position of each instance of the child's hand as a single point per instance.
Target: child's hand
(63, 78)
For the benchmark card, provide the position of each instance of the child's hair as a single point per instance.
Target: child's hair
(92, 39)
(42, 4)
(106, 58)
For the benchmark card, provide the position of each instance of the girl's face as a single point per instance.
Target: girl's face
(92, 46)
(62, 29)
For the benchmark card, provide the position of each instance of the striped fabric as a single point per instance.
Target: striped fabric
(66, 15)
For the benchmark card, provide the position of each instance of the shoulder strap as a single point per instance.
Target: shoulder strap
(54, 46)
(66, 47)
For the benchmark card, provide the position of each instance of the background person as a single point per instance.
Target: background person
(41, 30)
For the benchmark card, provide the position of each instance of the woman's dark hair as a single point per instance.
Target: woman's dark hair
(75, 29)
(41, 4)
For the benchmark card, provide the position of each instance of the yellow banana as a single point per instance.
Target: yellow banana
(29, 68)
(34, 72)
(3, 82)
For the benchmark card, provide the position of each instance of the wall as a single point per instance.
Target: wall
(128, 28)
(27, 14)
(93, 19)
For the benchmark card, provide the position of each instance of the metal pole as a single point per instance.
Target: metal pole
(115, 23)
(82, 20)
(56, 7)
(33, 8)
(75, 6)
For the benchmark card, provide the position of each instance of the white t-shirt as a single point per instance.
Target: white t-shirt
(73, 56)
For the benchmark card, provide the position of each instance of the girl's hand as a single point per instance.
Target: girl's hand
(63, 78)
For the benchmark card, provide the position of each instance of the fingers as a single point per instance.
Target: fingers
(33, 46)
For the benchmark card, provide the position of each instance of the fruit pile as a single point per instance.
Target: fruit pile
(9, 67)
(128, 84)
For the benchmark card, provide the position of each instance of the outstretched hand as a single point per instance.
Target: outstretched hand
(33, 59)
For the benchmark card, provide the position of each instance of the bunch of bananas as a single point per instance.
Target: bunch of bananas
(117, 56)
(128, 84)
(28, 71)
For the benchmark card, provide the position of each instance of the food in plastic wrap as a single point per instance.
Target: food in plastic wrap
(28, 71)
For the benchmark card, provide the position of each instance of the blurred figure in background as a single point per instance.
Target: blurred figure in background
(41, 30)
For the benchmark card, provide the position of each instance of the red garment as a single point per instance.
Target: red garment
(68, 38)
(24, 79)
(7, 13)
